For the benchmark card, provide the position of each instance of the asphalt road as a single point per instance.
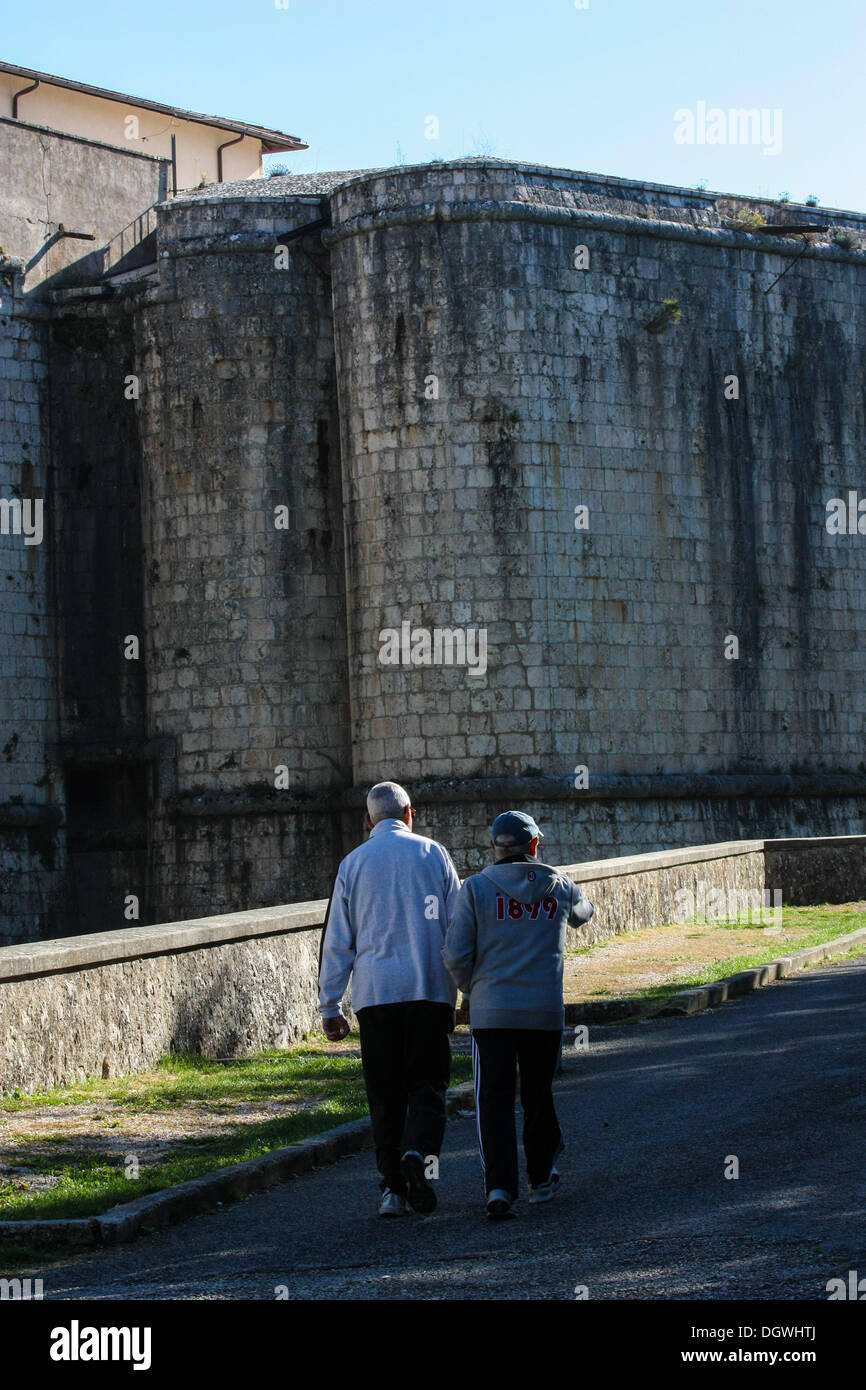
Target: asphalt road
(652, 1114)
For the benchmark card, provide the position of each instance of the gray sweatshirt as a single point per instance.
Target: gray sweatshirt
(505, 943)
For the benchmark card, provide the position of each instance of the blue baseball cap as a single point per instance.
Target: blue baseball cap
(515, 827)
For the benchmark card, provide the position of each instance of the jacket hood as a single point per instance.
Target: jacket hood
(527, 882)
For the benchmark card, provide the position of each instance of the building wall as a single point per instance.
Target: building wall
(149, 133)
(99, 560)
(614, 820)
(87, 187)
(430, 388)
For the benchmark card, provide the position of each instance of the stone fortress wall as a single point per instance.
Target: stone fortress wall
(32, 849)
(430, 369)
(559, 387)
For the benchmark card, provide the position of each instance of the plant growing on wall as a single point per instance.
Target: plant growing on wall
(747, 220)
(846, 237)
(669, 313)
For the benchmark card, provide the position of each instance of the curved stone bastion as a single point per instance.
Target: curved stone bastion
(586, 442)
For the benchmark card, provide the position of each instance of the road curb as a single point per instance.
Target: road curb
(124, 1223)
(709, 996)
(601, 1011)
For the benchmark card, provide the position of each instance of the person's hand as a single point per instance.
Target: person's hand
(463, 1011)
(336, 1028)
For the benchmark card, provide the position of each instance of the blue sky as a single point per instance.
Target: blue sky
(594, 89)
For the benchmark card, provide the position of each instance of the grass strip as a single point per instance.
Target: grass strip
(89, 1182)
(815, 926)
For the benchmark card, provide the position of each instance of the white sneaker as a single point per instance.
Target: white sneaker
(392, 1204)
(499, 1204)
(545, 1191)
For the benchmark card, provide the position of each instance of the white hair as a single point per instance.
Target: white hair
(387, 801)
(504, 845)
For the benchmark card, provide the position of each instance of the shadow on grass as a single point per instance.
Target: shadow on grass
(91, 1182)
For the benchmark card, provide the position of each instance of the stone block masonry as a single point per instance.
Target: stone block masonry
(555, 388)
(244, 618)
(586, 426)
(32, 851)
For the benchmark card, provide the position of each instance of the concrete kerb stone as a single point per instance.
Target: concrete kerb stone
(691, 1001)
(124, 1223)
(80, 1231)
(600, 1011)
(709, 996)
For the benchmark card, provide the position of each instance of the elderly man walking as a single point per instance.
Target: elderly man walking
(386, 924)
(504, 949)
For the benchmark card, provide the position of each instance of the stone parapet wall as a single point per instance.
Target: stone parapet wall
(84, 187)
(115, 1002)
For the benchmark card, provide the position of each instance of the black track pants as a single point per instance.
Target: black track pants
(496, 1055)
(406, 1056)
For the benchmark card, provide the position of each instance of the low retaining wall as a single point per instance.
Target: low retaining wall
(829, 870)
(640, 890)
(115, 1002)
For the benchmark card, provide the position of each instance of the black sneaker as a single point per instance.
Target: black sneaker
(420, 1193)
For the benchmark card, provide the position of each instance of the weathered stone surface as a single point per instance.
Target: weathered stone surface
(606, 645)
(832, 871)
(51, 179)
(219, 1000)
(32, 842)
(245, 621)
(640, 890)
